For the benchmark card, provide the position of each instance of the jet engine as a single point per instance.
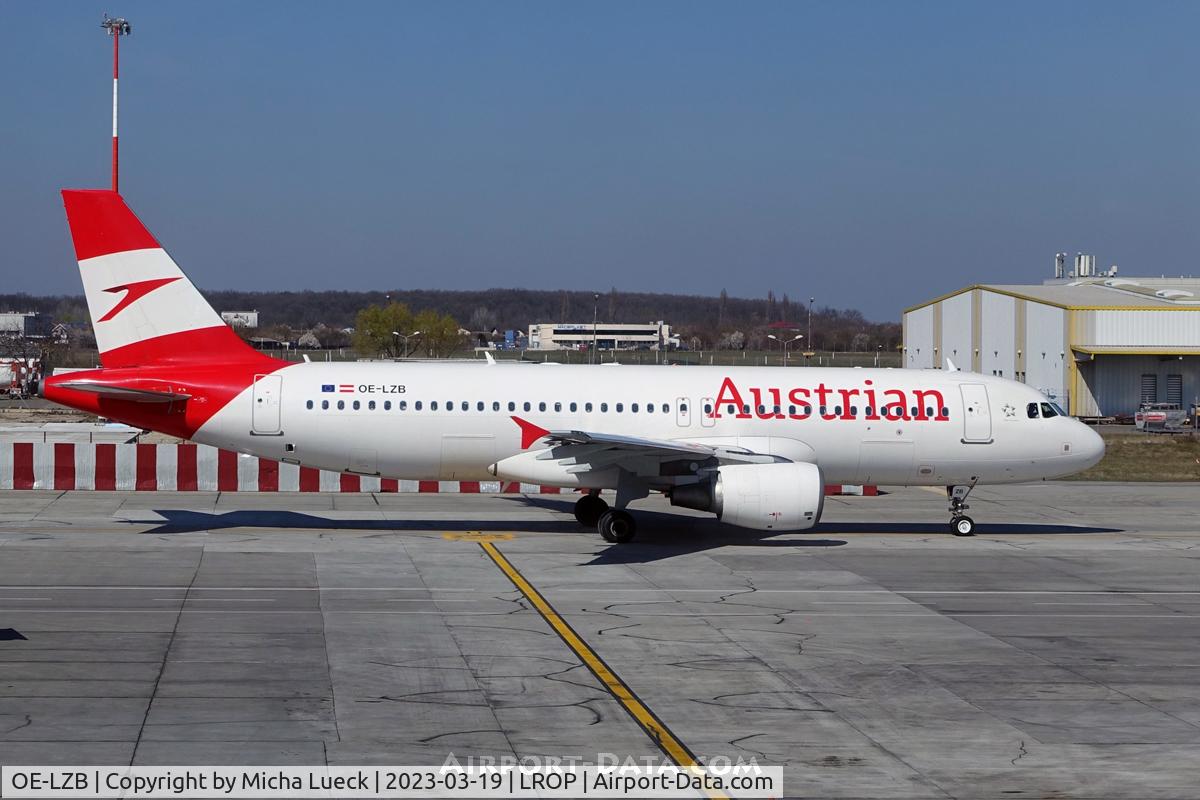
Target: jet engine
(763, 497)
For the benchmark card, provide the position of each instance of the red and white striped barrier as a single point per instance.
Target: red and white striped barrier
(199, 468)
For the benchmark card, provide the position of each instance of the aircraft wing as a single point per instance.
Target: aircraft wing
(598, 448)
(635, 443)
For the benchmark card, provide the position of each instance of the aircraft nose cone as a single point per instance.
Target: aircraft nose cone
(1090, 447)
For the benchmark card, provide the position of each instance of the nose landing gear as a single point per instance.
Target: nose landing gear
(960, 523)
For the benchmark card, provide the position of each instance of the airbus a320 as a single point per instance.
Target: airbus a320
(754, 446)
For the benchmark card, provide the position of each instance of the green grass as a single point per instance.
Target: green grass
(1146, 457)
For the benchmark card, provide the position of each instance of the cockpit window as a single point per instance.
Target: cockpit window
(1032, 410)
(1059, 409)
(1048, 411)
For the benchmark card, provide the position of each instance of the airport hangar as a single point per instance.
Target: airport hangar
(1098, 346)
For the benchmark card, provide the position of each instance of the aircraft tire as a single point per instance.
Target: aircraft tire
(962, 526)
(589, 509)
(616, 526)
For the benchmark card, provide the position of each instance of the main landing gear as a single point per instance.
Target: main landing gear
(615, 525)
(960, 523)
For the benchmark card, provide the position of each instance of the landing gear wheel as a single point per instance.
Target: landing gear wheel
(962, 526)
(589, 509)
(616, 526)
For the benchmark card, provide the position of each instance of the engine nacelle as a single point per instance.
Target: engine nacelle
(763, 497)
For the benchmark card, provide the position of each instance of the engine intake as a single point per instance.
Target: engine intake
(762, 497)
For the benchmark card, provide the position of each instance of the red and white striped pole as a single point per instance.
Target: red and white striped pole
(116, 29)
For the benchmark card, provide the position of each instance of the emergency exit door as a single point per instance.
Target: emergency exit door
(683, 412)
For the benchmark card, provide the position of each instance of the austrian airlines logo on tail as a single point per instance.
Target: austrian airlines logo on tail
(133, 293)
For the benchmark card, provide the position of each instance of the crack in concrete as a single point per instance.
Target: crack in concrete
(28, 721)
(418, 697)
(435, 737)
(717, 700)
(1021, 754)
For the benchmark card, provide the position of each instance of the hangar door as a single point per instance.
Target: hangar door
(977, 419)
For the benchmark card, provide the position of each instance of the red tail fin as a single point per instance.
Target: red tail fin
(144, 310)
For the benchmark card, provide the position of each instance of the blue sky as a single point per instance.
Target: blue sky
(869, 154)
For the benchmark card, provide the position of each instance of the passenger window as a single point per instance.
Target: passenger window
(479, 406)
(402, 405)
(370, 405)
(822, 409)
(707, 408)
(587, 407)
(808, 409)
(649, 408)
(324, 405)
(946, 412)
(574, 407)
(837, 411)
(541, 406)
(433, 405)
(341, 405)
(1048, 411)
(527, 406)
(558, 407)
(682, 408)
(761, 409)
(929, 412)
(731, 411)
(854, 411)
(512, 406)
(417, 406)
(620, 407)
(1032, 410)
(667, 408)
(916, 411)
(496, 405)
(868, 411)
(357, 405)
(776, 409)
(745, 409)
(633, 408)
(387, 405)
(466, 406)
(309, 405)
(604, 408)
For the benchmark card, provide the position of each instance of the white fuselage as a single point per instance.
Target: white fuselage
(453, 421)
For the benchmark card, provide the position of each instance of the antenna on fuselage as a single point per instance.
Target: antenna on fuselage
(950, 367)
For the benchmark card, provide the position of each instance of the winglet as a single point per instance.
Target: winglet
(530, 433)
(491, 361)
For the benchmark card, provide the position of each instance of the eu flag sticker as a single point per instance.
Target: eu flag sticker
(326, 387)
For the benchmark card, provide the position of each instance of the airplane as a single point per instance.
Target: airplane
(753, 445)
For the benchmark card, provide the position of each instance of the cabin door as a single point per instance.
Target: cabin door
(264, 418)
(977, 419)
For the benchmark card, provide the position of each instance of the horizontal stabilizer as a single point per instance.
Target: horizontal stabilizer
(130, 393)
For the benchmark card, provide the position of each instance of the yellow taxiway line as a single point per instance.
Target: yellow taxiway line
(649, 722)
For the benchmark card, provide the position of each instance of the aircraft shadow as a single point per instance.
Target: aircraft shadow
(183, 521)
(981, 529)
(661, 535)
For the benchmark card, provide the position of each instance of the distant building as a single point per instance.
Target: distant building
(240, 319)
(607, 335)
(24, 324)
(1097, 344)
